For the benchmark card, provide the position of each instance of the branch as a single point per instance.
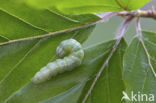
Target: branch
(139, 13)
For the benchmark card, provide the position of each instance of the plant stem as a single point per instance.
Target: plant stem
(139, 13)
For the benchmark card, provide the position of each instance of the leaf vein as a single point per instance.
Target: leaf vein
(22, 20)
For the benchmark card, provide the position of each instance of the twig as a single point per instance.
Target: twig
(139, 13)
(138, 29)
(121, 34)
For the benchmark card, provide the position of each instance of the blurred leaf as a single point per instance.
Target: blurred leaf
(3, 39)
(134, 4)
(15, 86)
(138, 75)
(20, 21)
(88, 6)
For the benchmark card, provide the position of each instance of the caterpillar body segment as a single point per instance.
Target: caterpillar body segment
(72, 55)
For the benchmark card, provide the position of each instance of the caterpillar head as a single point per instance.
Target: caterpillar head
(67, 47)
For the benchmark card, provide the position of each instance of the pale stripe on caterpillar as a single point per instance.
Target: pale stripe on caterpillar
(72, 55)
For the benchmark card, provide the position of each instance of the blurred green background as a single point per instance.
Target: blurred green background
(108, 30)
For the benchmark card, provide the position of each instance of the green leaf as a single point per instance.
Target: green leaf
(134, 4)
(16, 86)
(71, 95)
(19, 60)
(3, 39)
(88, 6)
(109, 86)
(20, 21)
(138, 75)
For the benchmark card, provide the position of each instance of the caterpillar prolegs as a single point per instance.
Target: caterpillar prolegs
(72, 55)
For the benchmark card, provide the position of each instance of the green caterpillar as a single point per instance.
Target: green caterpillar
(72, 55)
